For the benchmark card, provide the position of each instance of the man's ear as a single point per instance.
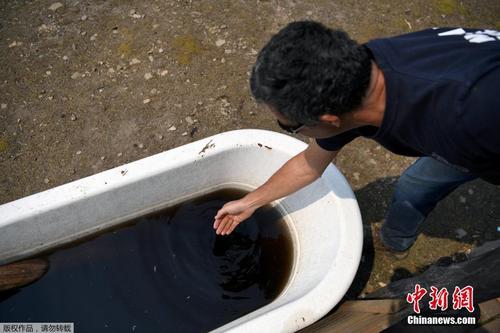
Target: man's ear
(330, 119)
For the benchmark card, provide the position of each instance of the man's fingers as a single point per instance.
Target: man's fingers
(226, 227)
(230, 226)
(222, 224)
(233, 226)
(218, 218)
(220, 213)
(217, 222)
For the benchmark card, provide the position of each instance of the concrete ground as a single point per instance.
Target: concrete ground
(86, 86)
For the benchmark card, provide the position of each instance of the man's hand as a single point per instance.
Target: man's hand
(232, 214)
(299, 171)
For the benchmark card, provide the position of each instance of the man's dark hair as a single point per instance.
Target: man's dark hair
(307, 70)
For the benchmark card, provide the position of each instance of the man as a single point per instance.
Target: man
(431, 94)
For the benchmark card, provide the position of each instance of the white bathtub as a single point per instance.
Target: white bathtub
(324, 217)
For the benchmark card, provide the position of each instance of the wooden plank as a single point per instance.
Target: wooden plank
(489, 309)
(491, 327)
(354, 322)
(21, 273)
(367, 316)
(374, 306)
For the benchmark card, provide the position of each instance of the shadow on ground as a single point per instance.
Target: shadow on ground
(468, 217)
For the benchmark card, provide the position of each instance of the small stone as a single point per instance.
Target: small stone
(65, 58)
(460, 233)
(111, 70)
(462, 199)
(50, 98)
(43, 28)
(151, 58)
(164, 72)
(79, 152)
(119, 154)
(76, 75)
(160, 137)
(102, 158)
(470, 191)
(356, 176)
(133, 13)
(55, 6)
(220, 42)
(184, 134)
(200, 103)
(148, 76)
(153, 91)
(160, 50)
(382, 284)
(253, 51)
(223, 60)
(84, 18)
(46, 180)
(94, 36)
(141, 146)
(146, 101)
(4, 106)
(172, 128)
(189, 120)
(73, 117)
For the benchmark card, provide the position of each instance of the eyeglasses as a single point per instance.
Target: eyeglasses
(291, 129)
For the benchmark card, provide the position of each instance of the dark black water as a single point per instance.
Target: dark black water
(164, 272)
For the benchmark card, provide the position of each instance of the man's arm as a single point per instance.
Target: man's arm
(298, 172)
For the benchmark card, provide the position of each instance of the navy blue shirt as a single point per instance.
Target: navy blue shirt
(442, 99)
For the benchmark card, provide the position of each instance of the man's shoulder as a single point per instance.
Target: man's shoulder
(469, 35)
(457, 54)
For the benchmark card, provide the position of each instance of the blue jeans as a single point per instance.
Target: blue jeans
(417, 192)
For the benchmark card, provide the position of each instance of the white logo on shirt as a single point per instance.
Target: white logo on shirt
(474, 37)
